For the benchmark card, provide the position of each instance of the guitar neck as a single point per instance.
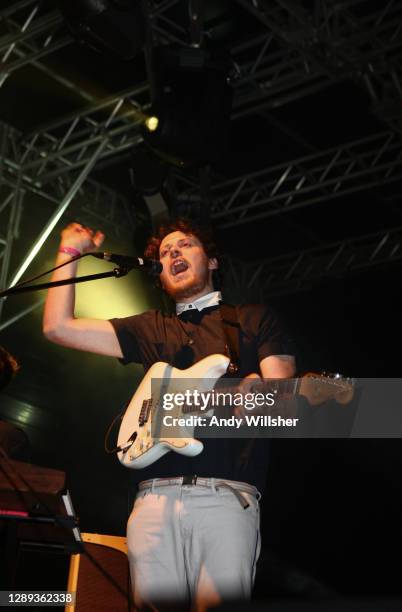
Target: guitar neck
(225, 396)
(282, 386)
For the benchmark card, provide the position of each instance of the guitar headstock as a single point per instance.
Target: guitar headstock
(319, 388)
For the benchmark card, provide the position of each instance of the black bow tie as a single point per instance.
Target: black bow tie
(195, 315)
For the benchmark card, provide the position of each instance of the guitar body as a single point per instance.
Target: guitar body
(142, 435)
(135, 429)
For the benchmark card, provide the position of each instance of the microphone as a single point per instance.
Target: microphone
(139, 263)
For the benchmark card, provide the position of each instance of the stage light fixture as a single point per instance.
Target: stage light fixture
(152, 123)
(112, 26)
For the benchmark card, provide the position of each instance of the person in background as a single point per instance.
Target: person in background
(8, 367)
(13, 440)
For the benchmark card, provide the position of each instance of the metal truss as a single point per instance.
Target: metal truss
(94, 205)
(29, 34)
(49, 159)
(339, 40)
(93, 201)
(315, 178)
(11, 206)
(334, 33)
(273, 78)
(320, 49)
(298, 271)
(385, 89)
(296, 54)
(163, 25)
(67, 145)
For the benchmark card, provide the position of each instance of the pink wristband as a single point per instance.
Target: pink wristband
(69, 251)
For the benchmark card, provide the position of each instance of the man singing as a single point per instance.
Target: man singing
(193, 534)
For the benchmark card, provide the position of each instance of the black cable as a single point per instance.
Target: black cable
(34, 278)
(111, 451)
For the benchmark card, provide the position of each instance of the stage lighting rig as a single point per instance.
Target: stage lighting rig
(188, 123)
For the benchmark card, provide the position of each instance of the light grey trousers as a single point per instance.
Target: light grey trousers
(192, 544)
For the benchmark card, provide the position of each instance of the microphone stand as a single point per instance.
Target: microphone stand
(117, 273)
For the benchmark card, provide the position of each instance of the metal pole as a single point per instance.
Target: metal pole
(21, 314)
(14, 201)
(58, 213)
(12, 46)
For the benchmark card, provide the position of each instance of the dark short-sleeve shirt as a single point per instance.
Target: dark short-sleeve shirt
(155, 336)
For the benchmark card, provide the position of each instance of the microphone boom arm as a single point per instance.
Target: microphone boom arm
(116, 272)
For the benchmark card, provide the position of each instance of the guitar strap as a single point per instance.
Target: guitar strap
(231, 329)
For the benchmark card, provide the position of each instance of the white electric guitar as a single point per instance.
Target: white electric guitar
(141, 446)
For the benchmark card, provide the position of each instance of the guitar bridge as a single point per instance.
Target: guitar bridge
(144, 412)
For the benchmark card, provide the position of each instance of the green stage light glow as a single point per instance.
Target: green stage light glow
(109, 297)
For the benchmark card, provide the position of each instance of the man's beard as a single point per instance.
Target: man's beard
(188, 289)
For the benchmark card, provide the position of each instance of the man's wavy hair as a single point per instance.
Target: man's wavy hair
(189, 227)
(8, 367)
